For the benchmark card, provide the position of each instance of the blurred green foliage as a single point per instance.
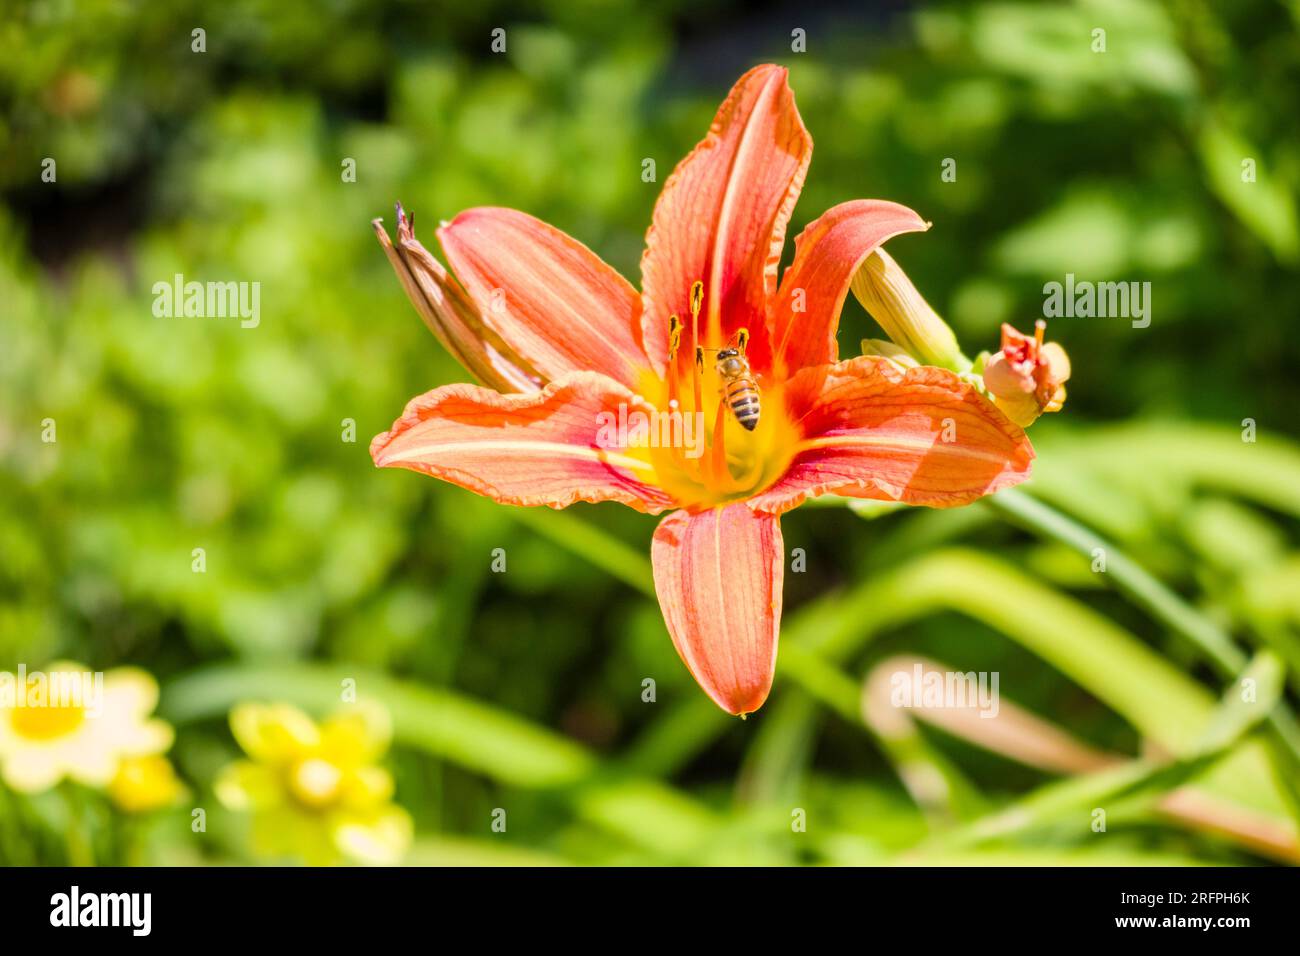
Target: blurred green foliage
(523, 690)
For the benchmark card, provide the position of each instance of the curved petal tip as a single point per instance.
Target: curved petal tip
(718, 575)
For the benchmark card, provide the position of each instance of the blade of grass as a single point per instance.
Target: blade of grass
(1076, 796)
(1111, 664)
(619, 559)
(1266, 471)
(1130, 578)
(776, 764)
(1144, 590)
(437, 721)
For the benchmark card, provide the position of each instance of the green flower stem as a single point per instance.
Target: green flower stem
(1134, 581)
(592, 543)
(77, 840)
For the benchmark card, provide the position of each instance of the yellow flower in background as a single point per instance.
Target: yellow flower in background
(315, 791)
(145, 783)
(68, 722)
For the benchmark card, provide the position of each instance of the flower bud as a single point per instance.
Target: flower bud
(888, 295)
(886, 349)
(1027, 376)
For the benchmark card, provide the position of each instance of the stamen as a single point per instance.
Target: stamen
(1040, 327)
(697, 300)
(674, 343)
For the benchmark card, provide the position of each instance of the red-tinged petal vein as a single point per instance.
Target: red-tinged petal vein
(541, 448)
(827, 254)
(870, 430)
(721, 219)
(718, 574)
(546, 294)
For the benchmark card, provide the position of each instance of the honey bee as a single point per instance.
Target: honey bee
(739, 390)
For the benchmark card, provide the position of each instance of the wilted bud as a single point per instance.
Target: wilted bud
(1027, 376)
(888, 295)
(450, 314)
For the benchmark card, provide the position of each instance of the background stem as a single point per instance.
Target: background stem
(1135, 582)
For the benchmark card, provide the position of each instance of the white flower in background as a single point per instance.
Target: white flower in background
(47, 736)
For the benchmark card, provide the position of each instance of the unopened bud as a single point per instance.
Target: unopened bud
(886, 349)
(888, 295)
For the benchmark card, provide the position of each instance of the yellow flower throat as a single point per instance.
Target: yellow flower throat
(731, 463)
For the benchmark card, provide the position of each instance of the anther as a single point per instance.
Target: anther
(697, 300)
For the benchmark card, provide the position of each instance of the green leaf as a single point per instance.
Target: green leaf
(1263, 203)
(437, 721)
(593, 544)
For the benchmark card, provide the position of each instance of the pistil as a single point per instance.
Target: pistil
(719, 474)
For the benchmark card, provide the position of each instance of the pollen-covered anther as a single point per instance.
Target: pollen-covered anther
(697, 301)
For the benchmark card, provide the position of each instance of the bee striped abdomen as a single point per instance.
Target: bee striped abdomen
(742, 396)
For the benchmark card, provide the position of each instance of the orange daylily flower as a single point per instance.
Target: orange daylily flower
(1027, 376)
(565, 343)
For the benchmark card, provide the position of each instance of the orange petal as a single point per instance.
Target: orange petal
(546, 294)
(872, 430)
(542, 448)
(826, 256)
(1057, 361)
(1006, 379)
(718, 574)
(721, 219)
